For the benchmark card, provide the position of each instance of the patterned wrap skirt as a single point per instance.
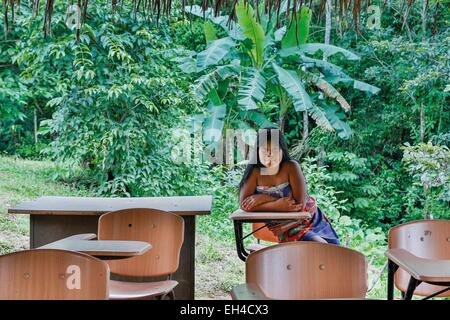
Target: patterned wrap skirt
(305, 230)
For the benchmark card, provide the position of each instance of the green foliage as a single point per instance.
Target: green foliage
(429, 165)
(252, 30)
(254, 62)
(107, 102)
(290, 81)
(215, 52)
(210, 32)
(298, 31)
(252, 89)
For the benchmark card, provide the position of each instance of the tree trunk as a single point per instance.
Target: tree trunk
(441, 110)
(422, 122)
(5, 19)
(427, 215)
(35, 127)
(328, 6)
(424, 20)
(321, 156)
(281, 121)
(305, 126)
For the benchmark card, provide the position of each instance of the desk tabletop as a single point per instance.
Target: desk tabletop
(103, 248)
(185, 205)
(263, 216)
(420, 268)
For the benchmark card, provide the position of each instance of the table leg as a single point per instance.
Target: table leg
(392, 268)
(49, 228)
(185, 274)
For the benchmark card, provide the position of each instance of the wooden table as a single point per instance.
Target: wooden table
(240, 216)
(102, 249)
(435, 272)
(54, 218)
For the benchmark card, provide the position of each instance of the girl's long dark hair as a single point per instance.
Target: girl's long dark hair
(262, 134)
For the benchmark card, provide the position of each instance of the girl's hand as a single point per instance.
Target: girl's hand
(255, 200)
(288, 204)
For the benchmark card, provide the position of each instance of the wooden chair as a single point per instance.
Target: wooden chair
(164, 230)
(304, 270)
(420, 249)
(52, 275)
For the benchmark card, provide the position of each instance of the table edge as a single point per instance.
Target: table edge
(248, 216)
(90, 213)
(100, 253)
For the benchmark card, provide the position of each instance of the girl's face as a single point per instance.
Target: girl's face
(270, 156)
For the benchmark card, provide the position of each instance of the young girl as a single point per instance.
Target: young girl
(274, 182)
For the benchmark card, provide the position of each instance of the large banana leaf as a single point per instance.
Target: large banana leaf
(359, 85)
(327, 89)
(312, 48)
(231, 27)
(198, 11)
(320, 117)
(215, 52)
(362, 86)
(214, 97)
(252, 89)
(203, 85)
(214, 123)
(298, 31)
(228, 70)
(279, 34)
(187, 64)
(257, 118)
(325, 67)
(207, 82)
(290, 81)
(210, 31)
(251, 30)
(336, 120)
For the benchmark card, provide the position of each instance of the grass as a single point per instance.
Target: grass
(218, 268)
(22, 180)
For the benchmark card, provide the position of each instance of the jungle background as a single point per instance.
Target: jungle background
(90, 111)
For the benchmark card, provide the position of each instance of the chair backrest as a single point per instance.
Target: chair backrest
(264, 234)
(163, 230)
(308, 270)
(48, 274)
(429, 239)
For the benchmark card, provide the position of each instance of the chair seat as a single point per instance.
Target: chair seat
(123, 290)
(255, 247)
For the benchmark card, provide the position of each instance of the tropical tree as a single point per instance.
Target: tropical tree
(256, 65)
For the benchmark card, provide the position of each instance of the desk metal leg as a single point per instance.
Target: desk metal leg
(392, 268)
(413, 283)
(242, 254)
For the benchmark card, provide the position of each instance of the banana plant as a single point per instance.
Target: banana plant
(256, 61)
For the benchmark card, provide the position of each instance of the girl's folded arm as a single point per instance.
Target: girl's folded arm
(266, 206)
